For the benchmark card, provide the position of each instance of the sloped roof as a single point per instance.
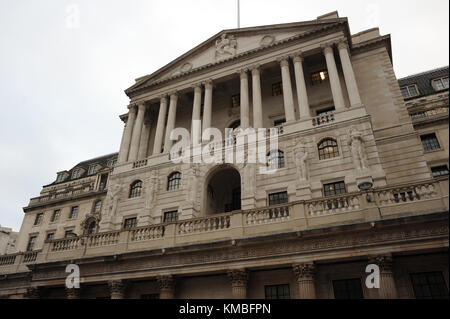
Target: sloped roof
(423, 81)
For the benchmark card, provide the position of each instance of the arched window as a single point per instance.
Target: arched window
(136, 189)
(91, 227)
(174, 181)
(275, 159)
(328, 148)
(97, 206)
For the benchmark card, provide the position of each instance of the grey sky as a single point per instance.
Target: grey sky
(62, 83)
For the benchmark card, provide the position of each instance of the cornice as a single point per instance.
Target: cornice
(382, 41)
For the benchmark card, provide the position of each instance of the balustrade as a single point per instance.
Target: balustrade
(204, 225)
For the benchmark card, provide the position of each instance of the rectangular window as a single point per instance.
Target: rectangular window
(430, 285)
(170, 217)
(150, 296)
(69, 233)
(328, 110)
(441, 84)
(38, 219)
(409, 91)
(319, 77)
(93, 169)
(60, 177)
(278, 198)
(50, 236)
(348, 289)
(439, 171)
(430, 142)
(76, 173)
(277, 292)
(277, 89)
(73, 212)
(31, 243)
(130, 223)
(279, 122)
(112, 162)
(55, 216)
(236, 101)
(334, 189)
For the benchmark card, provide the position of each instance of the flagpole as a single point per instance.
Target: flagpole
(239, 13)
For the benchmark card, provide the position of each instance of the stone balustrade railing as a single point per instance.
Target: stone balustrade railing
(373, 205)
(323, 119)
(141, 163)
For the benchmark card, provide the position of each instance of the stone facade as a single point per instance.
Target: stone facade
(353, 184)
(8, 240)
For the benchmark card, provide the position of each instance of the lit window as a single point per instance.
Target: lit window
(97, 206)
(236, 101)
(277, 89)
(130, 223)
(55, 216)
(333, 189)
(319, 77)
(38, 219)
(76, 173)
(347, 289)
(136, 189)
(170, 216)
(328, 149)
(93, 169)
(174, 181)
(441, 84)
(73, 212)
(430, 142)
(277, 292)
(409, 91)
(275, 160)
(439, 171)
(31, 243)
(429, 285)
(278, 198)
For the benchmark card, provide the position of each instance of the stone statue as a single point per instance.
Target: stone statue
(114, 198)
(193, 173)
(152, 188)
(357, 147)
(301, 155)
(226, 46)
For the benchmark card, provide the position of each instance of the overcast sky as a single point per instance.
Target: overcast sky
(65, 64)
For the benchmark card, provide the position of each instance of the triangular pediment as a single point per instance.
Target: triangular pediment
(230, 44)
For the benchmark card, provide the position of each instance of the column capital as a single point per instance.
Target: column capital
(165, 282)
(208, 83)
(243, 73)
(327, 46)
(131, 107)
(342, 44)
(117, 286)
(163, 97)
(141, 105)
(283, 60)
(173, 95)
(238, 277)
(255, 69)
(297, 57)
(197, 86)
(383, 261)
(304, 270)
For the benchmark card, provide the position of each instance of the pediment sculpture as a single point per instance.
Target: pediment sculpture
(226, 46)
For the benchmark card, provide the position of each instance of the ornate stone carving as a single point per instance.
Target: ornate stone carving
(267, 40)
(301, 156)
(226, 46)
(152, 188)
(383, 261)
(358, 150)
(238, 277)
(117, 288)
(186, 67)
(304, 271)
(113, 198)
(166, 282)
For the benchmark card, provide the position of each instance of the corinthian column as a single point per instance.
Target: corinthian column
(387, 289)
(160, 126)
(136, 137)
(196, 136)
(126, 138)
(302, 94)
(305, 274)
(257, 99)
(117, 289)
(166, 287)
(207, 112)
(349, 75)
(239, 279)
(171, 121)
(335, 82)
(287, 90)
(245, 103)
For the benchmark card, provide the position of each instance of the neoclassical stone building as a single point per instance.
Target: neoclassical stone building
(354, 180)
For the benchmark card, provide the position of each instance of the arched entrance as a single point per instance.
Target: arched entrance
(222, 190)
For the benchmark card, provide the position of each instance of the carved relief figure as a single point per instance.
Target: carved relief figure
(114, 198)
(226, 46)
(193, 173)
(152, 188)
(358, 150)
(301, 156)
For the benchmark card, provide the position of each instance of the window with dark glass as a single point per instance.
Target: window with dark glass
(130, 223)
(440, 84)
(174, 181)
(92, 226)
(236, 101)
(76, 173)
(69, 233)
(275, 160)
(31, 243)
(93, 169)
(97, 206)
(429, 285)
(278, 198)
(326, 111)
(50, 236)
(430, 142)
(334, 189)
(409, 91)
(277, 292)
(136, 189)
(319, 77)
(38, 219)
(277, 89)
(73, 212)
(328, 149)
(439, 171)
(170, 216)
(55, 216)
(348, 289)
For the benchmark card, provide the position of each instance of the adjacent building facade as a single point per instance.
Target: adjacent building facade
(8, 240)
(357, 178)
